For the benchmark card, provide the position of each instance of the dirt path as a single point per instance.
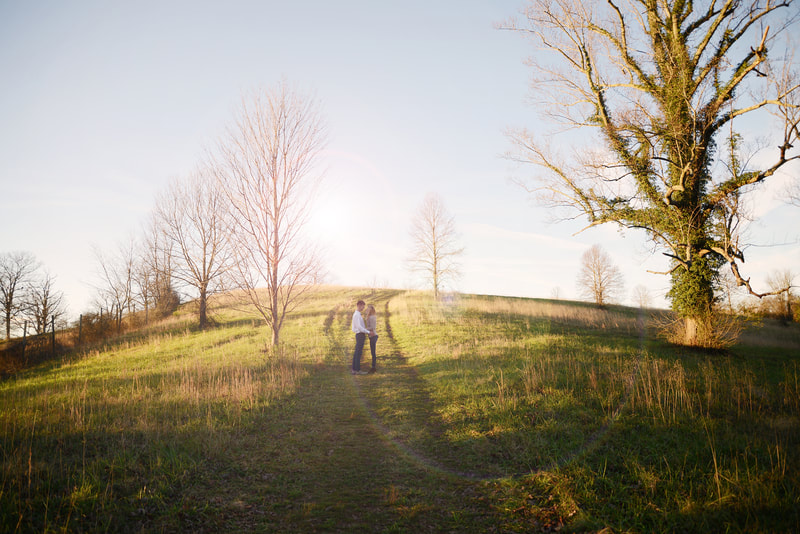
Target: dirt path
(340, 456)
(414, 429)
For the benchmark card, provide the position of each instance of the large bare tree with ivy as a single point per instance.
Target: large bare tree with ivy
(660, 83)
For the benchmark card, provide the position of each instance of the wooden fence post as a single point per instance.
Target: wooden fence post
(24, 338)
(53, 328)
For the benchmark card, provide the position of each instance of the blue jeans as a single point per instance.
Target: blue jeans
(360, 338)
(372, 342)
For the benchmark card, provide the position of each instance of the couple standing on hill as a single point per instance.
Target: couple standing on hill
(362, 330)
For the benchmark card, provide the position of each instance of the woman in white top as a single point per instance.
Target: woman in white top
(372, 325)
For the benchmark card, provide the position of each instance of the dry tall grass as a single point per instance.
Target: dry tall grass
(130, 404)
(517, 350)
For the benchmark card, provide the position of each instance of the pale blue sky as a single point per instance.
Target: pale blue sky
(102, 103)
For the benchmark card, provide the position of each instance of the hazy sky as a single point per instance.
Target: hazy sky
(103, 103)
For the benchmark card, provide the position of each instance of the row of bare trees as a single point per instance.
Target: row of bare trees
(138, 276)
(28, 295)
(236, 222)
(601, 281)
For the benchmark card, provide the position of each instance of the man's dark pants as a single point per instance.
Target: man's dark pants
(360, 338)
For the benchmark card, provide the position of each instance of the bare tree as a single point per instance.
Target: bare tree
(144, 280)
(267, 164)
(155, 269)
(641, 296)
(145, 277)
(191, 215)
(435, 252)
(782, 282)
(727, 288)
(116, 279)
(659, 83)
(45, 303)
(16, 271)
(599, 279)
(791, 194)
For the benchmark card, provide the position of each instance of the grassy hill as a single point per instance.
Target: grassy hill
(487, 414)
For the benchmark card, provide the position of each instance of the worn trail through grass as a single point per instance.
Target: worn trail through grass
(398, 384)
(338, 464)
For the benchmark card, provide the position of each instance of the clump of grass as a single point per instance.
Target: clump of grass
(718, 331)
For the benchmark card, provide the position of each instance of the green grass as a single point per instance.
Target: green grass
(487, 414)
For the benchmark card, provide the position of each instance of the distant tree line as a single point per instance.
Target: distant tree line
(234, 223)
(137, 276)
(601, 282)
(28, 296)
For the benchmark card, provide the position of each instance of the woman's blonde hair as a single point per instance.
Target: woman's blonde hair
(371, 310)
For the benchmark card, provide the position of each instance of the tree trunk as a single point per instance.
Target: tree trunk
(692, 295)
(435, 281)
(275, 336)
(690, 331)
(276, 326)
(203, 308)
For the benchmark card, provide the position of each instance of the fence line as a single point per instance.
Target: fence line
(19, 353)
